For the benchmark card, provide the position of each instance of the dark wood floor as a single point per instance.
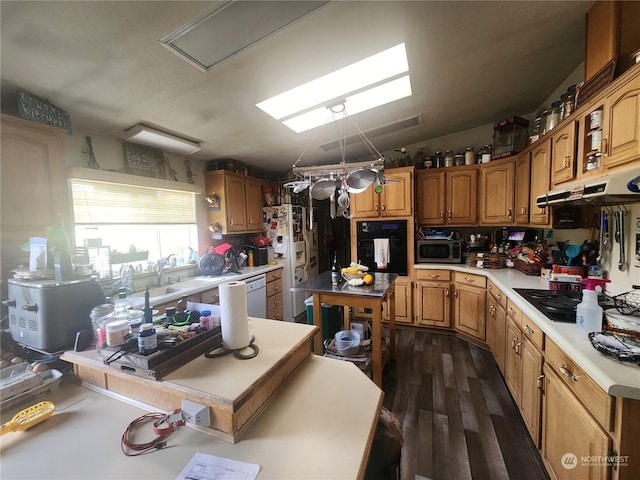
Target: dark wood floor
(459, 420)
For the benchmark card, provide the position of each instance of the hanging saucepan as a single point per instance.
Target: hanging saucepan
(323, 189)
(359, 180)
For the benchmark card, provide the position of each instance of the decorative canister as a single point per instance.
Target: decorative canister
(595, 119)
(469, 156)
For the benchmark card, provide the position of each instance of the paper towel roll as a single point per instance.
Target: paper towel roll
(234, 320)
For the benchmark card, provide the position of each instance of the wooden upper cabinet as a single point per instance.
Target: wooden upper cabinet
(462, 196)
(621, 123)
(540, 182)
(240, 209)
(563, 154)
(395, 200)
(523, 188)
(253, 195)
(430, 196)
(496, 197)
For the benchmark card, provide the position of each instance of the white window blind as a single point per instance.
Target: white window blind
(100, 203)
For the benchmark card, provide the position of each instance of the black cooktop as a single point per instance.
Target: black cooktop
(560, 305)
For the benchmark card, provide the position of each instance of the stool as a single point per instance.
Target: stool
(386, 448)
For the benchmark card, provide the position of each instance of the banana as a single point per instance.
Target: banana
(359, 267)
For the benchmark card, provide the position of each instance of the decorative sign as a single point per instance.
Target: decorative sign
(143, 160)
(37, 110)
(600, 80)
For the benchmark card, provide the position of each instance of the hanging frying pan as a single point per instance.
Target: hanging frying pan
(359, 180)
(323, 189)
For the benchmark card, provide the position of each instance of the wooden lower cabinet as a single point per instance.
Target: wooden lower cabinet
(275, 301)
(433, 299)
(531, 388)
(496, 330)
(513, 361)
(570, 435)
(470, 305)
(403, 301)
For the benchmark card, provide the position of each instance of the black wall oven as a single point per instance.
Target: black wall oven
(395, 231)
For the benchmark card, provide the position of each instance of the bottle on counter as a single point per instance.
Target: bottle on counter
(335, 269)
(250, 254)
(147, 339)
(588, 312)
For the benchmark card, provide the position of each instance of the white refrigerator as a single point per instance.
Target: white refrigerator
(286, 227)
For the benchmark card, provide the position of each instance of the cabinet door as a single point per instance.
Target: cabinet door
(210, 297)
(500, 337)
(563, 154)
(530, 393)
(540, 181)
(365, 204)
(569, 433)
(470, 307)
(235, 205)
(490, 319)
(403, 301)
(523, 189)
(430, 196)
(253, 204)
(513, 365)
(622, 118)
(496, 193)
(397, 195)
(433, 304)
(462, 197)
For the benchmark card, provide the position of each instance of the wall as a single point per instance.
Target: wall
(109, 153)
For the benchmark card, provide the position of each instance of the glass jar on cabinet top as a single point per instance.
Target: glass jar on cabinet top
(449, 158)
(469, 156)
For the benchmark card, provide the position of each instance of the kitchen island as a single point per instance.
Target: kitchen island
(307, 430)
(364, 296)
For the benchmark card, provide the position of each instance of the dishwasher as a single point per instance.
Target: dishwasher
(257, 296)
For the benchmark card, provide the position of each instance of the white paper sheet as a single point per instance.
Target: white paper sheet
(210, 467)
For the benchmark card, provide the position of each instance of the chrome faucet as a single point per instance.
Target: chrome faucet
(174, 279)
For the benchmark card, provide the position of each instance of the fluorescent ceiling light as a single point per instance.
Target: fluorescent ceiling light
(162, 140)
(347, 82)
(365, 100)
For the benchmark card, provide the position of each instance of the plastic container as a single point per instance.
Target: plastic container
(147, 339)
(116, 332)
(206, 320)
(588, 312)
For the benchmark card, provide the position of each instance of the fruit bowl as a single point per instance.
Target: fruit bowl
(351, 276)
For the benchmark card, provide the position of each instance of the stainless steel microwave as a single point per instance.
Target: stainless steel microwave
(438, 251)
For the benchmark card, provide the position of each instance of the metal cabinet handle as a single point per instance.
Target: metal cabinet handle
(605, 144)
(383, 207)
(456, 293)
(469, 280)
(540, 382)
(450, 215)
(434, 275)
(518, 345)
(446, 293)
(499, 297)
(509, 214)
(441, 214)
(565, 371)
(529, 330)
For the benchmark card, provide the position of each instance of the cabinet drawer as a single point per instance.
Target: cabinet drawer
(588, 392)
(479, 281)
(497, 294)
(533, 332)
(274, 288)
(514, 313)
(275, 301)
(276, 313)
(434, 275)
(274, 275)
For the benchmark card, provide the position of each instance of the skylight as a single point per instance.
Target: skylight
(368, 83)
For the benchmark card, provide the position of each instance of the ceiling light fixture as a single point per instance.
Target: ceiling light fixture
(162, 140)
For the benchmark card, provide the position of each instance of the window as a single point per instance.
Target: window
(132, 218)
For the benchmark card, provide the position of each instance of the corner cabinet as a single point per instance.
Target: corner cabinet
(239, 207)
(395, 200)
(496, 192)
(447, 196)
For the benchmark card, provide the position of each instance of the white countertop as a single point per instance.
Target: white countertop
(619, 379)
(191, 285)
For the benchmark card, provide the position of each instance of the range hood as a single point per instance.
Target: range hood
(615, 188)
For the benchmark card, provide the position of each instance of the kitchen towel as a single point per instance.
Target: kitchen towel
(234, 320)
(381, 252)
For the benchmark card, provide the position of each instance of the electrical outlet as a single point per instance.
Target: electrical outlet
(195, 413)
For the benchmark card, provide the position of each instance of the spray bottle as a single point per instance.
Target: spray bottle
(588, 312)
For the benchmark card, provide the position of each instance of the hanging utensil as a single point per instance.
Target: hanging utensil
(607, 245)
(360, 179)
(332, 205)
(323, 189)
(616, 226)
(622, 264)
(310, 211)
(571, 251)
(599, 258)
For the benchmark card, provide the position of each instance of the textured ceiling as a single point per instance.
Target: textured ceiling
(471, 63)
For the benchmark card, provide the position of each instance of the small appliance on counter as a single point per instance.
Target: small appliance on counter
(439, 247)
(47, 315)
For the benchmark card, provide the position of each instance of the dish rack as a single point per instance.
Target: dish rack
(628, 303)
